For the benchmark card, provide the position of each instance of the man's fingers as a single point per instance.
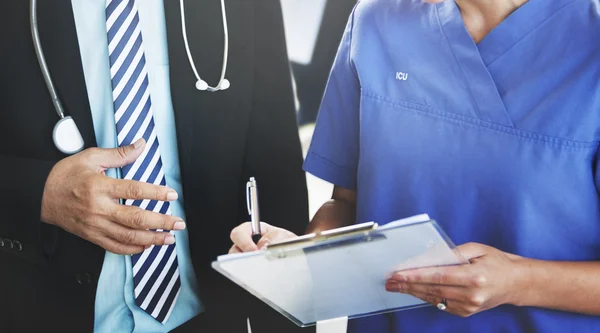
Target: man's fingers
(130, 236)
(140, 219)
(135, 190)
(117, 157)
(141, 237)
(118, 248)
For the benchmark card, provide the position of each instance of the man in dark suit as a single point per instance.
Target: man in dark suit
(65, 240)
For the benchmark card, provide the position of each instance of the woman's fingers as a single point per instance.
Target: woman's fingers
(439, 291)
(275, 235)
(241, 236)
(445, 275)
(234, 249)
(452, 306)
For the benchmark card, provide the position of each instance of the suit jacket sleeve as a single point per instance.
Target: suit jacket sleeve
(21, 190)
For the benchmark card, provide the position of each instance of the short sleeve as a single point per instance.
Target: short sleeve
(333, 154)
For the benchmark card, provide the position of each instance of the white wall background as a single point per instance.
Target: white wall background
(302, 20)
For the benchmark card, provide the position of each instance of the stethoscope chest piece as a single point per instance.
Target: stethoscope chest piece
(66, 136)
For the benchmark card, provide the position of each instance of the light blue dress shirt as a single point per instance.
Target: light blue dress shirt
(115, 309)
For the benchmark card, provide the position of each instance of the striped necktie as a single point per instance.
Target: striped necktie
(155, 271)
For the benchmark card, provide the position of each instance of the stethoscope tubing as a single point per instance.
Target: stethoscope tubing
(48, 78)
(66, 135)
(223, 84)
(42, 60)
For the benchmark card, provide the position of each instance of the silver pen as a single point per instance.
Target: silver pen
(253, 210)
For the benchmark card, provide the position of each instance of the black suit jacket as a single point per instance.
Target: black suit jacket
(48, 277)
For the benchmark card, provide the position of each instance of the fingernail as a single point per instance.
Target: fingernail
(172, 195)
(179, 226)
(138, 143)
(169, 239)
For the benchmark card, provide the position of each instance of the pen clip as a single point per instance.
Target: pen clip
(248, 205)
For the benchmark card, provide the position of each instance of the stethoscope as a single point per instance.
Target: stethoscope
(66, 135)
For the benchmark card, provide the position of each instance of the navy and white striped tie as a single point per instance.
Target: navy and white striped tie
(155, 271)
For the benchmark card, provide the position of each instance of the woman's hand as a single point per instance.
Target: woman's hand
(241, 237)
(490, 280)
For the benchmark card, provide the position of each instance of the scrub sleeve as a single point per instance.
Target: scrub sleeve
(333, 155)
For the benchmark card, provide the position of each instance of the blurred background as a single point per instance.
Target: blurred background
(313, 30)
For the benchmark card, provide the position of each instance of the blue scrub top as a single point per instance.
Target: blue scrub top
(498, 141)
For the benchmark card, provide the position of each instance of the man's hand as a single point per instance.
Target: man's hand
(81, 199)
(241, 237)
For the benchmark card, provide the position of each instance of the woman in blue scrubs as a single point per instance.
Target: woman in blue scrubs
(486, 116)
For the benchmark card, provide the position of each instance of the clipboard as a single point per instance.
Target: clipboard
(341, 272)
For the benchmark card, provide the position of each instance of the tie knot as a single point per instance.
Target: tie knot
(112, 5)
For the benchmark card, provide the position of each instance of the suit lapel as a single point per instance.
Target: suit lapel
(58, 36)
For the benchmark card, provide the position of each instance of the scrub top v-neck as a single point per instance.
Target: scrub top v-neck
(498, 141)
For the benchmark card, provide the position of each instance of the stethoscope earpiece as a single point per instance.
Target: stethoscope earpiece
(224, 85)
(201, 84)
(66, 135)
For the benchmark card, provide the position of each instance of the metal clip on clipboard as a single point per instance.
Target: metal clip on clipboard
(345, 236)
